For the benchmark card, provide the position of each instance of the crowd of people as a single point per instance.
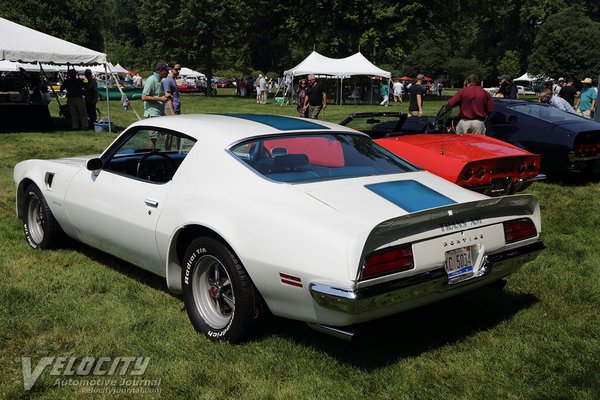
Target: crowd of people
(81, 99)
(161, 96)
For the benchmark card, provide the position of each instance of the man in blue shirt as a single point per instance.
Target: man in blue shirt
(173, 107)
(587, 99)
(555, 101)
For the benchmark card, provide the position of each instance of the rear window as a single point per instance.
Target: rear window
(316, 157)
(546, 113)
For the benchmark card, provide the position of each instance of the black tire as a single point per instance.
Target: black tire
(41, 229)
(220, 299)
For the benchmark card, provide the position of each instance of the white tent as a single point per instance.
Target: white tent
(527, 77)
(19, 43)
(341, 68)
(338, 68)
(22, 44)
(6, 65)
(185, 72)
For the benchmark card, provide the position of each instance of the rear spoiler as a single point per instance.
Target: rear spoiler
(453, 217)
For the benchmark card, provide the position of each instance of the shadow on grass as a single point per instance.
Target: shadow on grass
(376, 343)
(131, 271)
(572, 179)
(408, 334)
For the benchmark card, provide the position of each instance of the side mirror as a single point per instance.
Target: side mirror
(94, 164)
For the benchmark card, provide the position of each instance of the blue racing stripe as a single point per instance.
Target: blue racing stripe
(410, 195)
(280, 122)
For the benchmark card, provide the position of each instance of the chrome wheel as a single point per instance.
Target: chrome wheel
(213, 292)
(35, 219)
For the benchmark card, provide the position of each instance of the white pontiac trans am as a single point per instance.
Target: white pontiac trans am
(246, 214)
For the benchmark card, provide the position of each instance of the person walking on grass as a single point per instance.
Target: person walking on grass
(415, 108)
(316, 98)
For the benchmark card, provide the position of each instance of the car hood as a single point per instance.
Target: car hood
(374, 199)
(78, 160)
(468, 147)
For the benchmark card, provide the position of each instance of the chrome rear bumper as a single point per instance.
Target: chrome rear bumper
(420, 289)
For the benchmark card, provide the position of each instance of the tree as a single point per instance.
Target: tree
(509, 64)
(566, 46)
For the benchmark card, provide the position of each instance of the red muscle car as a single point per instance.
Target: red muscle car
(476, 162)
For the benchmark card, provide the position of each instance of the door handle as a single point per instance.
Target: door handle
(151, 203)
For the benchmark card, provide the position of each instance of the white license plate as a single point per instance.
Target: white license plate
(459, 264)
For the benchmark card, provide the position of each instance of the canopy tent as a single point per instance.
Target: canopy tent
(22, 44)
(355, 64)
(19, 43)
(336, 68)
(527, 77)
(10, 66)
(185, 72)
(405, 78)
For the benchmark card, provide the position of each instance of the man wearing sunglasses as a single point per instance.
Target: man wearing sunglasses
(173, 106)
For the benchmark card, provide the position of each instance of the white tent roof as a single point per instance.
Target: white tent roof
(14, 66)
(190, 72)
(318, 64)
(19, 43)
(528, 77)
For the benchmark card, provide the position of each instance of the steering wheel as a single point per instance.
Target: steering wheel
(140, 170)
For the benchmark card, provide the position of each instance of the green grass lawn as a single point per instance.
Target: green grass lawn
(539, 338)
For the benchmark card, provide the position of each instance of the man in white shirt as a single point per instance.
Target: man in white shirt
(398, 88)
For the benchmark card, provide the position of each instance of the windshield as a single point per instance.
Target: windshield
(546, 113)
(310, 158)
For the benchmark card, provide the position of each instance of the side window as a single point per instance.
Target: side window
(152, 155)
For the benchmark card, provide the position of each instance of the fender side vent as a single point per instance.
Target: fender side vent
(48, 179)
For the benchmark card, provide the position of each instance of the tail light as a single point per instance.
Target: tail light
(467, 174)
(480, 173)
(587, 149)
(395, 259)
(519, 229)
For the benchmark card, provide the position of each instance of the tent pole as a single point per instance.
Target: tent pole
(107, 100)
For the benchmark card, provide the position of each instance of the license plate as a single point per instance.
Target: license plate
(459, 264)
(500, 185)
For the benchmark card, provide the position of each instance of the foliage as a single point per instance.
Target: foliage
(441, 39)
(567, 46)
(536, 339)
(509, 64)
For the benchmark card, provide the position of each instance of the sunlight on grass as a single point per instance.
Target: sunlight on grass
(538, 338)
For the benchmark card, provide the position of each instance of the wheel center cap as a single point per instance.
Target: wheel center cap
(214, 292)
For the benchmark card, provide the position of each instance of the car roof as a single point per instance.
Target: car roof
(230, 128)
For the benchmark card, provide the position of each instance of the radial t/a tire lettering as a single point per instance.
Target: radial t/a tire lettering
(220, 299)
(39, 225)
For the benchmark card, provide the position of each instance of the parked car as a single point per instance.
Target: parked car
(185, 87)
(476, 162)
(245, 214)
(224, 84)
(566, 142)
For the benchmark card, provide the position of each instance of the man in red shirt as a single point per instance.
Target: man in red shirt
(475, 105)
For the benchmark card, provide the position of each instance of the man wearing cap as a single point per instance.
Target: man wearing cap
(153, 94)
(415, 92)
(587, 99)
(475, 105)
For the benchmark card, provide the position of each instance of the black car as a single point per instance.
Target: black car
(566, 142)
